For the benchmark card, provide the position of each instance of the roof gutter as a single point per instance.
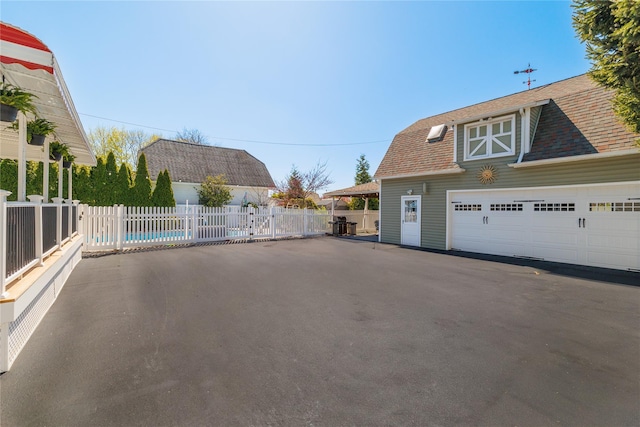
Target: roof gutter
(413, 175)
(571, 159)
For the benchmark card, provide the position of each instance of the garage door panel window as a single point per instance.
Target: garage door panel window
(494, 138)
(554, 207)
(614, 207)
(501, 207)
(467, 207)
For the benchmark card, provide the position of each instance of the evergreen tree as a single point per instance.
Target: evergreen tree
(141, 191)
(362, 171)
(123, 186)
(163, 193)
(82, 188)
(98, 178)
(111, 180)
(53, 180)
(34, 177)
(9, 178)
(611, 31)
(363, 177)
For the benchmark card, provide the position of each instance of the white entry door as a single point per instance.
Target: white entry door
(410, 217)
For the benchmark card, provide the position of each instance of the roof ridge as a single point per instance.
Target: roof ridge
(471, 106)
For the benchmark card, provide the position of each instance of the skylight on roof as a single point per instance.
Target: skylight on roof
(437, 133)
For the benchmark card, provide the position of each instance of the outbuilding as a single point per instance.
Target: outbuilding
(190, 164)
(549, 173)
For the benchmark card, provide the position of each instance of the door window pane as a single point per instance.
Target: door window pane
(410, 211)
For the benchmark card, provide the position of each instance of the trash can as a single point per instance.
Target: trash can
(351, 228)
(342, 223)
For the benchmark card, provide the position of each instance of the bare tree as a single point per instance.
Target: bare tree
(193, 136)
(316, 179)
(124, 144)
(260, 196)
(134, 141)
(298, 186)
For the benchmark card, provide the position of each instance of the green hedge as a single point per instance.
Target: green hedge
(102, 185)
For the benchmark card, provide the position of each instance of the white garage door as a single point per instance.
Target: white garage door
(596, 225)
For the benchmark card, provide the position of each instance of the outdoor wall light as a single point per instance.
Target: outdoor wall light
(409, 191)
(425, 188)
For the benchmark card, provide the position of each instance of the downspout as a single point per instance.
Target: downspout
(523, 126)
(455, 143)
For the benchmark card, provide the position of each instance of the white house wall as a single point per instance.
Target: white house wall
(187, 193)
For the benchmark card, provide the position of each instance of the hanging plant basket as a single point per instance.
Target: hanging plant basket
(8, 113)
(56, 156)
(14, 99)
(37, 140)
(66, 164)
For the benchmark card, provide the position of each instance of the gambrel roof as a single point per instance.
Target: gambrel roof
(576, 119)
(188, 162)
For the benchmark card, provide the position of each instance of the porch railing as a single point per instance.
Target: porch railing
(31, 231)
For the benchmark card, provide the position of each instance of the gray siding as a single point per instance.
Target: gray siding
(535, 117)
(433, 209)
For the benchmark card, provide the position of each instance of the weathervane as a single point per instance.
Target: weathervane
(528, 70)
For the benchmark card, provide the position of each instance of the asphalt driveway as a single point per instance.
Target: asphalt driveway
(327, 332)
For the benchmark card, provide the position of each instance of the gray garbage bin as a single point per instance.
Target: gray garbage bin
(351, 228)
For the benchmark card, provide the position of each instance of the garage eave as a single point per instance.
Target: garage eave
(571, 159)
(449, 171)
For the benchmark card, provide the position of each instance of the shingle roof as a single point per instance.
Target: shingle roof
(367, 189)
(189, 162)
(577, 120)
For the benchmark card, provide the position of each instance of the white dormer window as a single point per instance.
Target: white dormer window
(490, 138)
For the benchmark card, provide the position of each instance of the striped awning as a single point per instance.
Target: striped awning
(28, 63)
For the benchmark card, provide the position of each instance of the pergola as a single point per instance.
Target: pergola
(364, 191)
(29, 64)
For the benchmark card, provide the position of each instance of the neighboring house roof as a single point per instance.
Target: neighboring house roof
(369, 189)
(578, 119)
(188, 162)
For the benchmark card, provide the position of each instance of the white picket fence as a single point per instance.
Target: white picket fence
(121, 227)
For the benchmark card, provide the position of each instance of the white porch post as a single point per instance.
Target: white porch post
(22, 157)
(58, 202)
(366, 211)
(37, 199)
(60, 177)
(45, 172)
(70, 182)
(333, 203)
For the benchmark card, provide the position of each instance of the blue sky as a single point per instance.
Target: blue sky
(319, 81)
